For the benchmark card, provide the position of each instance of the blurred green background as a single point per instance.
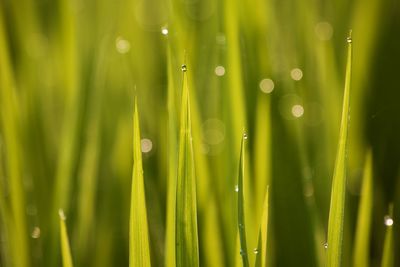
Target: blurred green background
(69, 71)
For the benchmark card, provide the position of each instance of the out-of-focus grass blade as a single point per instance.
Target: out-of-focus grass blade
(336, 211)
(361, 247)
(261, 250)
(10, 119)
(65, 248)
(241, 218)
(187, 252)
(172, 162)
(388, 248)
(139, 250)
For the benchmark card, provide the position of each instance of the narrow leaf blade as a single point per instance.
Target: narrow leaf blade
(361, 247)
(336, 211)
(65, 248)
(139, 249)
(186, 243)
(241, 217)
(388, 247)
(261, 253)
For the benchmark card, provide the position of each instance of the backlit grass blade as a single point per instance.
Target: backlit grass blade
(362, 239)
(10, 122)
(261, 250)
(241, 218)
(388, 248)
(186, 243)
(172, 166)
(139, 250)
(65, 248)
(338, 193)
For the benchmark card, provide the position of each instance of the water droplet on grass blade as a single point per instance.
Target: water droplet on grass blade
(326, 245)
(164, 30)
(388, 220)
(220, 71)
(35, 232)
(245, 136)
(255, 251)
(184, 68)
(236, 188)
(62, 214)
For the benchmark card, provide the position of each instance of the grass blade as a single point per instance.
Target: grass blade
(241, 218)
(65, 248)
(10, 122)
(172, 163)
(362, 239)
(336, 211)
(388, 248)
(261, 253)
(186, 243)
(139, 250)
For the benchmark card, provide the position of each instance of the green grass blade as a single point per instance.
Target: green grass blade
(336, 211)
(362, 239)
(241, 217)
(139, 249)
(10, 122)
(388, 248)
(261, 252)
(65, 248)
(187, 252)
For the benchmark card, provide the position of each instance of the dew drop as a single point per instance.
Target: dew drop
(219, 71)
(349, 40)
(184, 68)
(245, 136)
(236, 188)
(388, 220)
(62, 214)
(146, 145)
(255, 251)
(122, 45)
(164, 30)
(35, 232)
(326, 245)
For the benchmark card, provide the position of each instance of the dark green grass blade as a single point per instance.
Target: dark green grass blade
(362, 239)
(261, 251)
(139, 249)
(187, 252)
(64, 241)
(388, 248)
(241, 218)
(338, 193)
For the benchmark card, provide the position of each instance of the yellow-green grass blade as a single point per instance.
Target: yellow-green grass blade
(241, 217)
(186, 243)
(64, 241)
(338, 193)
(261, 250)
(362, 239)
(139, 249)
(10, 119)
(172, 164)
(388, 247)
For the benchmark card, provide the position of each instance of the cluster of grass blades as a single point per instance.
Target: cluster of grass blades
(64, 138)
